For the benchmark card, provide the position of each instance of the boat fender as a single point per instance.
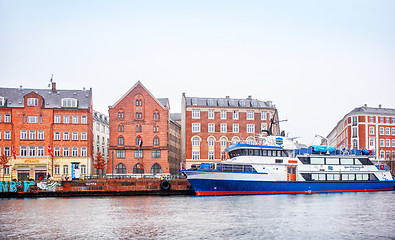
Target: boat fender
(165, 185)
(382, 167)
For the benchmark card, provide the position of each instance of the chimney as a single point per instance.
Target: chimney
(249, 97)
(227, 97)
(53, 86)
(379, 105)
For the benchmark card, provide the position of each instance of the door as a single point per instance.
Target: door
(291, 173)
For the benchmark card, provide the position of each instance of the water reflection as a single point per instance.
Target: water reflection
(325, 216)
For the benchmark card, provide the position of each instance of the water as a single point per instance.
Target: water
(319, 216)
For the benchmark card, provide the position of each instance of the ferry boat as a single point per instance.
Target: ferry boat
(273, 165)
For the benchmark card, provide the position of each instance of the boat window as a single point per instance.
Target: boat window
(329, 177)
(336, 177)
(279, 161)
(346, 161)
(365, 161)
(284, 154)
(358, 177)
(345, 177)
(264, 152)
(351, 177)
(304, 160)
(321, 177)
(365, 176)
(237, 168)
(257, 152)
(332, 161)
(317, 160)
(250, 152)
(357, 162)
(314, 176)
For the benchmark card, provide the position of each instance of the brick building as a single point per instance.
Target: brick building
(210, 124)
(37, 122)
(369, 128)
(143, 138)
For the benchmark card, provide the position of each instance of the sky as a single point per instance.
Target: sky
(315, 60)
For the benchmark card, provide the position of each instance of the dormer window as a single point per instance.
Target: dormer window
(2, 102)
(69, 102)
(32, 102)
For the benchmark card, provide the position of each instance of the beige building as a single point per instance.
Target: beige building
(101, 138)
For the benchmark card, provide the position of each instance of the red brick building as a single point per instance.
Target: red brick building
(143, 138)
(210, 124)
(369, 128)
(35, 120)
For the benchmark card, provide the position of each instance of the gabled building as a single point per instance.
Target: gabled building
(209, 125)
(46, 131)
(369, 128)
(143, 137)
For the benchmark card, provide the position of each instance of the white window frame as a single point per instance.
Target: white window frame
(32, 119)
(211, 142)
(371, 130)
(7, 135)
(236, 128)
(66, 136)
(69, 103)
(84, 152)
(66, 119)
(387, 131)
(56, 136)
(40, 135)
(223, 142)
(381, 130)
(223, 114)
(57, 119)
(7, 118)
(84, 119)
(224, 127)
(210, 114)
(23, 135)
(84, 136)
(211, 127)
(32, 135)
(195, 127)
(66, 151)
(32, 151)
(74, 151)
(23, 151)
(195, 141)
(196, 155)
(235, 115)
(40, 151)
(250, 115)
(195, 113)
(250, 128)
(32, 102)
(263, 115)
(74, 136)
(210, 155)
(75, 119)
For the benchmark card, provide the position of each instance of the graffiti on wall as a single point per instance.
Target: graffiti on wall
(12, 186)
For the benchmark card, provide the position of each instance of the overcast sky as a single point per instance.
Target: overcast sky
(316, 60)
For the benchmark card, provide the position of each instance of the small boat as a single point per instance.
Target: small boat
(274, 165)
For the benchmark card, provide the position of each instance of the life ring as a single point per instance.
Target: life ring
(165, 185)
(370, 152)
(382, 167)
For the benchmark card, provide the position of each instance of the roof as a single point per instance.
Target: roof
(228, 102)
(370, 110)
(14, 97)
(175, 116)
(100, 117)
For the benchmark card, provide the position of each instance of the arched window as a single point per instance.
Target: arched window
(235, 140)
(355, 144)
(211, 141)
(120, 128)
(120, 169)
(120, 140)
(156, 115)
(156, 141)
(250, 140)
(223, 142)
(138, 168)
(195, 141)
(120, 115)
(155, 169)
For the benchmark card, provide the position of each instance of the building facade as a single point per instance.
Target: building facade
(46, 131)
(143, 138)
(368, 128)
(101, 138)
(210, 124)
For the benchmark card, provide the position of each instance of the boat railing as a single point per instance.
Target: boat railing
(342, 152)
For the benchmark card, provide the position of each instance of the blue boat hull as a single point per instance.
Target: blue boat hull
(235, 187)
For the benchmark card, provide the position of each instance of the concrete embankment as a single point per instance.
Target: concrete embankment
(105, 187)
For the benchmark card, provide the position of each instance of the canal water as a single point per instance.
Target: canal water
(319, 216)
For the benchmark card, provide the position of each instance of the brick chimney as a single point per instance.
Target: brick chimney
(53, 86)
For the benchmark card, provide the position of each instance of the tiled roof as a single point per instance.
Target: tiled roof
(228, 102)
(14, 97)
(379, 110)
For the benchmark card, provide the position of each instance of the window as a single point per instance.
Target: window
(371, 142)
(32, 102)
(121, 169)
(250, 128)
(2, 101)
(195, 127)
(371, 130)
(138, 128)
(387, 131)
(388, 143)
(156, 169)
(156, 129)
(83, 169)
(74, 152)
(211, 142)
(7, 151)
(235, 128)
(354, 132)
(66, 119)
(57, 119)
(381, 131)
(40, 151)
(139, 115)
(56, 169)
(387, 120)
(32, 135)
(32, 119)
(223, 114)
(250, 115)
(7, 117)
(156, 141)
(371, 119)
(263, 115)
(120, 153)
(236, 115)
(69, 102)
(23, 134)
(66, 152)
(156, 116)
(40, 135)
(23, 151)
(211, 127)
(7, 135)
(66, 136)
(393, 131)
(65, 169)
(211, 155)
(120, 128)
(195, 141)
(211, 114)
(263, 127)
(74, 136)
(84, 152)
(84, 136)
(120, 115)
(195, 155)
(155, 153)
(355, 144)
(382, 154)
(75, 119)
(223, 127)
(382, 144)
(32, 151)
(381, 119)
(196, 113)
(84, 119)
(354, 120)
(393, 144)
(223, 142)
(120, 140)
(56, 151)
(138, 153)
